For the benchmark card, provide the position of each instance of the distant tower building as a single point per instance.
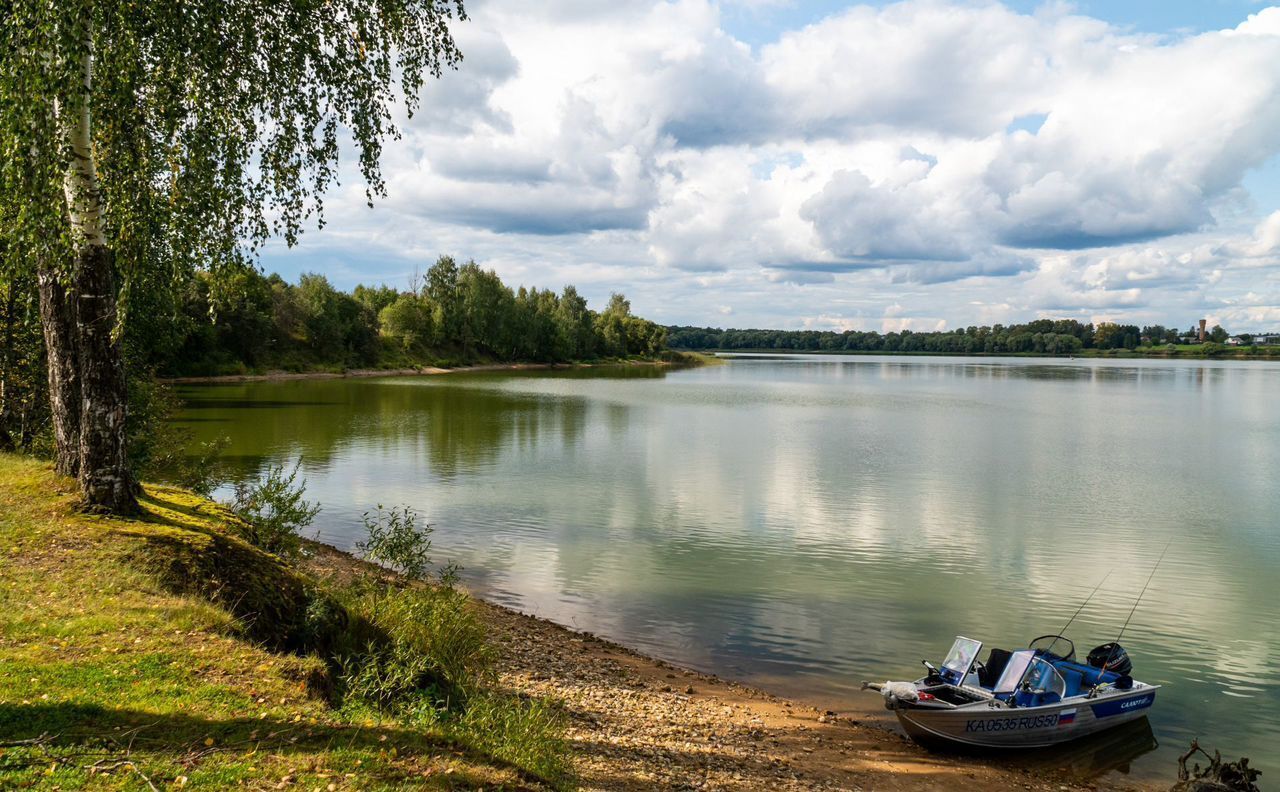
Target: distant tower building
(1202, 324)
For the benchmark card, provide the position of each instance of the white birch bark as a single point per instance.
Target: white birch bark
(84, 199)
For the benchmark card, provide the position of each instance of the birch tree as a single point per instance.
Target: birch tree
(150, 137)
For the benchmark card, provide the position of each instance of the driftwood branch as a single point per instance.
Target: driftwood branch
(1217, 775)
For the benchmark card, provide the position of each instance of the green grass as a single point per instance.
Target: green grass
(131, 657)
(692, 358)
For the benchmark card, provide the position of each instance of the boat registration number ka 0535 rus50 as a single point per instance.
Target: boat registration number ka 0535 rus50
(1010, 724)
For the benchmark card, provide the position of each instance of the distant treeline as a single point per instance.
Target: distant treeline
(1045, 336)
(243, 320)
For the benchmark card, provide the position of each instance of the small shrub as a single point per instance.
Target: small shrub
(395, 541)
(199, 472)
(274, 511)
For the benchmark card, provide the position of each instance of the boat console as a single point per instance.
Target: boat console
(1032, 677)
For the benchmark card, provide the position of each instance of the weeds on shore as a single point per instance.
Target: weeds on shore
(436, 672)
(436, 651)
(436, 667)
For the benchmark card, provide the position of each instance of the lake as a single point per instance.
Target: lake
(804, 523)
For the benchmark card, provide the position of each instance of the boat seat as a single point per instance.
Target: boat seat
(1074, 681)
(1024, 698)
(994, 667)
(1091, 677)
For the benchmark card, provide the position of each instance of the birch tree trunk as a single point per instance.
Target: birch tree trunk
(6, 365)
(105, 481)
(58, 325)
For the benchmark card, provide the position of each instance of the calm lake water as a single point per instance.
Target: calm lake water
(806, 522)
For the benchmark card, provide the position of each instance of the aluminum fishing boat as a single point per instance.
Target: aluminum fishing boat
(1028, 698)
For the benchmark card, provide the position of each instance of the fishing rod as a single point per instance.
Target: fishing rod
(1063, 631)
(1116, 644)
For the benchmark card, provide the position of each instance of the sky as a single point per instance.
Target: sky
(922, 165)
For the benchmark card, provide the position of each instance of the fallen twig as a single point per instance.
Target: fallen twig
(107, 765)
(43, 739)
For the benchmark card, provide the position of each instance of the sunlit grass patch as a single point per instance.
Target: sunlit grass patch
(133, 653)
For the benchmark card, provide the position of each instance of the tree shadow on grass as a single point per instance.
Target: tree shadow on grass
(180, 743)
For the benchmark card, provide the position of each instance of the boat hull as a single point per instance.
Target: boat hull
(1026, 727)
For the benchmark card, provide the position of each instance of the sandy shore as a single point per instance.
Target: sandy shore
(638, 723)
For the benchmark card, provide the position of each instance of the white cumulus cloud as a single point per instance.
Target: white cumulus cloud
(959, 159)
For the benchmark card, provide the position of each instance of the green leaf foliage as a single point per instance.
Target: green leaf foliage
(394, 540)
(216, 123)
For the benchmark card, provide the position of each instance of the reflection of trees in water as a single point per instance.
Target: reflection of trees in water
(457, 429)
(1149, 373)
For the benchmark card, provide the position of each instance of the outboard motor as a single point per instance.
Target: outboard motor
(1111, 656)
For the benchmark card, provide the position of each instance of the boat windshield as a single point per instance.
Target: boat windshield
(1044, 678)
(1024, 666)
(960, 659)
(1013, 671)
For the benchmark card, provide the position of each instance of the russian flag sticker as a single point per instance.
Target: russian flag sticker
(1066, 717)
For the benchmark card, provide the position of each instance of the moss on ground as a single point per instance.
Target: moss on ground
(151, 653)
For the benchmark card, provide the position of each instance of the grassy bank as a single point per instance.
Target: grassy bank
(674, 359)
(165, 652)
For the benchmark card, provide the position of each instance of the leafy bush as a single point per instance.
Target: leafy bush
(396, 542)
(409, 319)
(274, 511)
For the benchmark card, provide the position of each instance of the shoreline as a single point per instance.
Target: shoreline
(637, 722)
(1229, 354)
(695, 358)
(423, 371)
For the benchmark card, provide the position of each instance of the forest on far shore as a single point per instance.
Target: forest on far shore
(1042, 336)
(245, 321)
